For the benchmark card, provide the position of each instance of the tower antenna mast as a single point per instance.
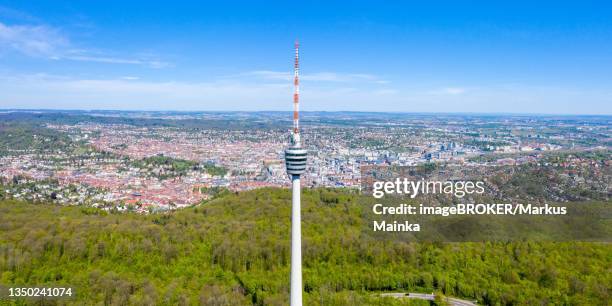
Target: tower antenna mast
(296, 95)
(295, 160)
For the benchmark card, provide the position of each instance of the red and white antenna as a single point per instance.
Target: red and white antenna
(296, 93)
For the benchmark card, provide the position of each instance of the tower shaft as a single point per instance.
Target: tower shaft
(295, 160)
(296, 243)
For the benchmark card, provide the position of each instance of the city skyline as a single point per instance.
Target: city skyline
(218, 57)
(170, 161)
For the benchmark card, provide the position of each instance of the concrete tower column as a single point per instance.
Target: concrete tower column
(296, 244)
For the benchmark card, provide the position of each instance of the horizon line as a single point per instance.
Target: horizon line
(289, 111)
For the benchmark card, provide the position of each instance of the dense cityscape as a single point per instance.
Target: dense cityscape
(152, 161)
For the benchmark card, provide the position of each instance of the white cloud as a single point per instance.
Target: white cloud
(115, 60)
(32, 40)
(315, 77)
(447, 91)
(127, 92)
(455, 90)
(335, 77)
(44, 91)
(48, 42)
(266, 74)
(387, 91)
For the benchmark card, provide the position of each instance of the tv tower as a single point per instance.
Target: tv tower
(295, 159)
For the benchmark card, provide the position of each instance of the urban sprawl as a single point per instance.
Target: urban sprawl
(155, 161)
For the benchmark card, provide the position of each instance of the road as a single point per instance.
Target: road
(428, 297)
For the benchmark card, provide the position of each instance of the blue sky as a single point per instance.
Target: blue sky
(548, 57)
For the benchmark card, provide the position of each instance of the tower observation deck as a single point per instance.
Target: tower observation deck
(295, 159)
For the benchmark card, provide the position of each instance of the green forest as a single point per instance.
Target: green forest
(235, 250)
